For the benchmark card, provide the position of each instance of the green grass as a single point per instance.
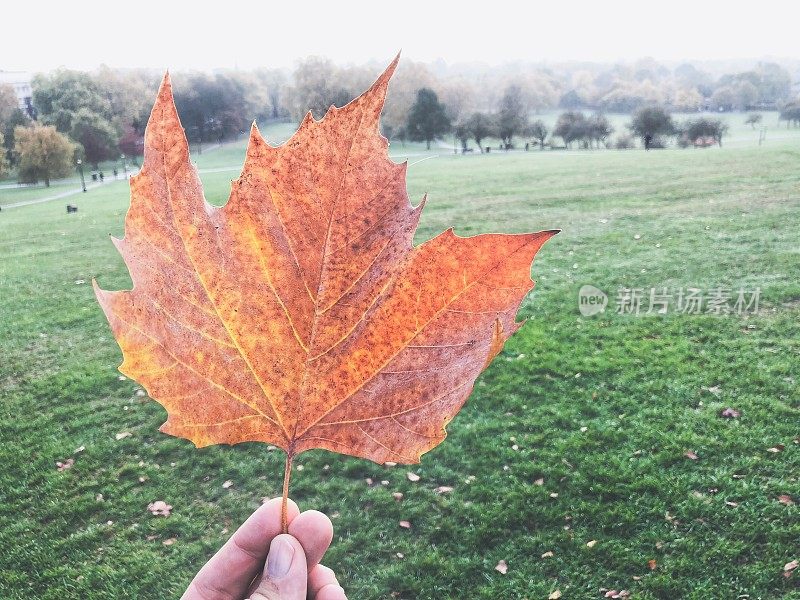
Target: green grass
(646, 389)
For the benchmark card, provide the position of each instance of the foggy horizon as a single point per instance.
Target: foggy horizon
(160, 37)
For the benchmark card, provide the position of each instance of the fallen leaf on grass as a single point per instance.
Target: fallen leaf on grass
(227, 484)
(169, 541)
(785, 499)
(776, 448)
(398, 496)
(160, 508)
(412, 476)
(691, 455)
(652, 565)
(730, 413)
(501, 567)
(67, 464)
(591, 544)
(405, 524)
(539, 481)
(555, 595)
(444, 489)
(790, 566)
(547, 554)
(122, 435)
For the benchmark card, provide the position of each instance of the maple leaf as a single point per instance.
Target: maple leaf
(300, 314)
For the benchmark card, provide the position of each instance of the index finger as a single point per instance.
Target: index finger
(229, 572)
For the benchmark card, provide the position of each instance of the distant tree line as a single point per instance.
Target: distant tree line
(102, 114)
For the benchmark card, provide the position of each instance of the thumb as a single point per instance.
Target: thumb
(286, 574)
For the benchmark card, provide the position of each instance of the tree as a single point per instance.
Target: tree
(3, 160)
(703, 128)
(211, 107)
(427, 119)
(96, 135)
(513, 114)
(481, 126)
(570, 100)
(538, 131)
(59, 96)
(652, 121)
(275, 83)
(316, 88)
(463, 134)
(627, 96)
(130, 95)
(739, 95)
(598, 129)
(570, 126)
(458, 96)
(790, 113)
(131, 143)
(18, 118)
(753, 119)
(766, 86)
(409, 78)
(8, 103)
(775, 84)
(42, 154)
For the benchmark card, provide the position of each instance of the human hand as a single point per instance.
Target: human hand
(292, 570)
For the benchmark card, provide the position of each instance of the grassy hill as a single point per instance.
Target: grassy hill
(582, 430)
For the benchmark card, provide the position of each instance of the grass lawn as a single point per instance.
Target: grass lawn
(578, 432)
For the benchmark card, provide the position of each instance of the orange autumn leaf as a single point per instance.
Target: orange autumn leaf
(300, 314)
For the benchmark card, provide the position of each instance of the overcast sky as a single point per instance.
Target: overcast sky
(161, 34)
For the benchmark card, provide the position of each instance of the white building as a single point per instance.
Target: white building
(21, 82)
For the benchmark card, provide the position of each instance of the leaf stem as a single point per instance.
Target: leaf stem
(287, 475)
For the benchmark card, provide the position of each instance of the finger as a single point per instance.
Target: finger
(319, 577)
(230, 571)
(314, 531)
(286, 573)
(331, 592)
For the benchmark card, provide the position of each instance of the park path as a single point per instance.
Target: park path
(61, 196)
(51, 198)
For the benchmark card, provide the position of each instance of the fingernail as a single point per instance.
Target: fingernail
(280, 557)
